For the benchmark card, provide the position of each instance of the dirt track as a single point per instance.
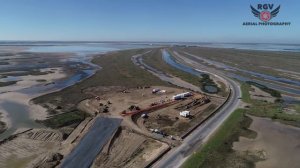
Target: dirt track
(129, 149)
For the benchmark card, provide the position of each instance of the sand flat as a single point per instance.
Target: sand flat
(280, 142)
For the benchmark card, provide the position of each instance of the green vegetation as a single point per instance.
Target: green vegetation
(65, 119)
(3, 84)
(297, 108)
(222, 89)
(218, 152)
(272, 92)
(154, 59)
(117, 70)
(31, 72)
(270, 110)
(205, 81)
(41, 80)
(247, 59)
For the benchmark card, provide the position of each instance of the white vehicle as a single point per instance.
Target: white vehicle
(185, 114)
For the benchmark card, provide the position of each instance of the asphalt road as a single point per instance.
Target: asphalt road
(178, 155)
(92, 143)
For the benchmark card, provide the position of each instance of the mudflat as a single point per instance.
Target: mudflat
(278, 142)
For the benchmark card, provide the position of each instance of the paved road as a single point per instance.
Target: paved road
(179, 154)
(92, 143)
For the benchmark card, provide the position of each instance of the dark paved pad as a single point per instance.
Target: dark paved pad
(92, 143)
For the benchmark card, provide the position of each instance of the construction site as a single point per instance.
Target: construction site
(154, 119)
(126, 128)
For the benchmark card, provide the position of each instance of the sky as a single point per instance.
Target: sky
(145, 20)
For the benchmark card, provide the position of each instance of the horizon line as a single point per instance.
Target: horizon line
(136, 41)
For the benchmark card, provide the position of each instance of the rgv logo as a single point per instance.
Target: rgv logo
(265, 15)
(265, 12)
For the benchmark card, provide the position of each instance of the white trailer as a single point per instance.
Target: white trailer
(182, 95)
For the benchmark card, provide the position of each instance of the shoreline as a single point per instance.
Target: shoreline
(31, 111)
(35, 111)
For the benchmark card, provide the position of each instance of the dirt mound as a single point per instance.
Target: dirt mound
(128, 149)
(49, 161)
(45, 135)
(25, 148)
(120, 150)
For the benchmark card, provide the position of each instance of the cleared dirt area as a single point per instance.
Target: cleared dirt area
(129, 149)
(40, 147)
(277, 143)
(118, 99)
(135, 145)
(169, 121)
(22, 150)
